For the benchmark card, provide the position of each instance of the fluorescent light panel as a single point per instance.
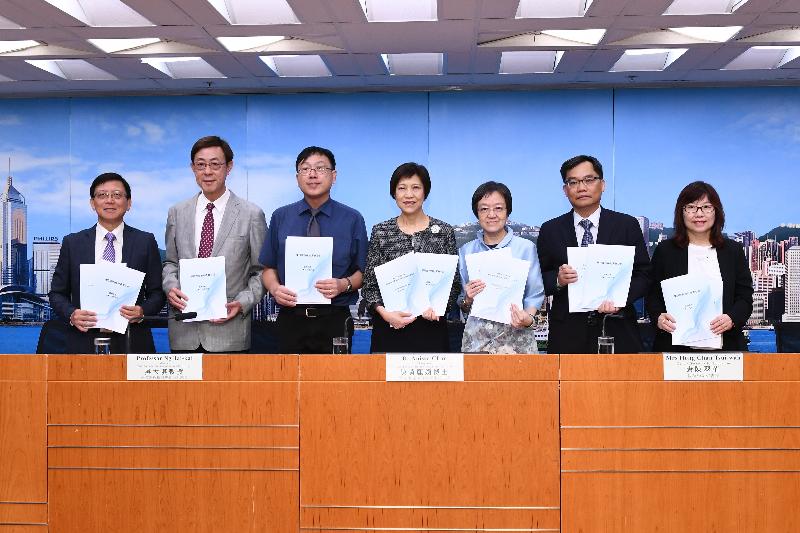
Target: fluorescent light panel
(71, 69)
(421, 64)
(704, 7)
(183, 67)
(579, 36)
(16, 46)
(532, 9)
(529, 62)
(237, 44)
(399, 10)
(111, 46)
(764, 58)
(717, 34)
(649, 59)
(6, 24)
(105, 13)
(255, 12)
(297, 66)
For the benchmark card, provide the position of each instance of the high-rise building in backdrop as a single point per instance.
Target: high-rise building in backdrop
(13, 231)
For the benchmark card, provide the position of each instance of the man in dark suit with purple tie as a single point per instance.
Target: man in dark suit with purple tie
(588, 223)
(114, 241)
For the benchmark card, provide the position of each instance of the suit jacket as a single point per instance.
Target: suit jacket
(241, 234)
(669, 260)
(570, 332)
(139, 252)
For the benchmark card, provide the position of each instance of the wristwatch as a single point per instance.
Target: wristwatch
(349, 284)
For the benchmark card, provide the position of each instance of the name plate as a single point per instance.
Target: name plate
(714, 366)
(424, 367)
(165, 367)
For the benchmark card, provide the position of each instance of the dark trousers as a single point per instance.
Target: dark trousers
(311, 329)
(141, 340)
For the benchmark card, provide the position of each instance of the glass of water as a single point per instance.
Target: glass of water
(340, 345)
(605, 344)
(102, 346)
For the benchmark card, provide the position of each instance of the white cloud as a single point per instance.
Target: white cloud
(10, 120)
(150, 131)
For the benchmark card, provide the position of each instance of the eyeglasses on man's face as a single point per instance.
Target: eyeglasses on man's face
(320, 170)
(691, 209)
(202, 165)
(573, 183)
(105, 195)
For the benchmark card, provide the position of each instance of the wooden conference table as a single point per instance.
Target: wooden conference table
(265, 443)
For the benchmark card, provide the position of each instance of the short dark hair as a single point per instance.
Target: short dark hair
(573, 162)
(109, 176)
(485, 189)
(210, 142)
(691, 193)
(406, 170)
(308, 151)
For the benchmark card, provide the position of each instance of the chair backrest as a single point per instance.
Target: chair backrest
(53, 337)
(787, 337)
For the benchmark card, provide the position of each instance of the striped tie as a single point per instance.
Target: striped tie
(108, 253)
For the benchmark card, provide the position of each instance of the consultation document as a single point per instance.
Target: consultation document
(203, 282)
(307, 261)
(105, 287)
(604, 273)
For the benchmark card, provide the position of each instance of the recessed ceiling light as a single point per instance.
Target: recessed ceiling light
(764, 58)
(106, 13)
(71, 69)
(16, 46)
(529, 62)
(183, 67)
(255, 12)
(718, 34)
(421, 64)
(111, 46)
(703, 7)
(399, 11)
(579, 36)
(238, 44)
(649, 59)
(533, 9)
(297, 66)
(6, 24)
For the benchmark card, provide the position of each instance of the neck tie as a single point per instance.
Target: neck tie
(313, 224)
(108, 253)
(207, 233)
(587, 235)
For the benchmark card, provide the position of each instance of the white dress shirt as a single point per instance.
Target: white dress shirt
(594, 218)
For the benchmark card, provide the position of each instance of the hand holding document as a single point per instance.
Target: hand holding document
(417, 281)
(308, 260)
(505, 278)
(436, 272)
(105, 287)
(693, 302)
(203, 282)
(604, 273)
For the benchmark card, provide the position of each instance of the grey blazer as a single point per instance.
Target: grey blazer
(241, 235)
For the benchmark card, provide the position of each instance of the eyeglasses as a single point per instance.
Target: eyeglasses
(691, 209)
(105, 195)
(202, 165)
(588, 181)
(483, 211)
(321, 171)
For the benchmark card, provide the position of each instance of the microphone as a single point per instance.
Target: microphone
(184, 316)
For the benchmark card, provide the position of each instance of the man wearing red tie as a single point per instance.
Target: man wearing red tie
(113, 241)
(215, 223)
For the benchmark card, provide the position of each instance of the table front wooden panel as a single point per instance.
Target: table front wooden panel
(219, 455)
(641, 454)
(23, 452)
(479, 455)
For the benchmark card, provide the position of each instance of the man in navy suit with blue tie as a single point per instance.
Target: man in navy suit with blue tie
(588, 223)
(114, 241)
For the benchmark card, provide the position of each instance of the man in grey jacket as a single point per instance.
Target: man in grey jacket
(215, 223)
